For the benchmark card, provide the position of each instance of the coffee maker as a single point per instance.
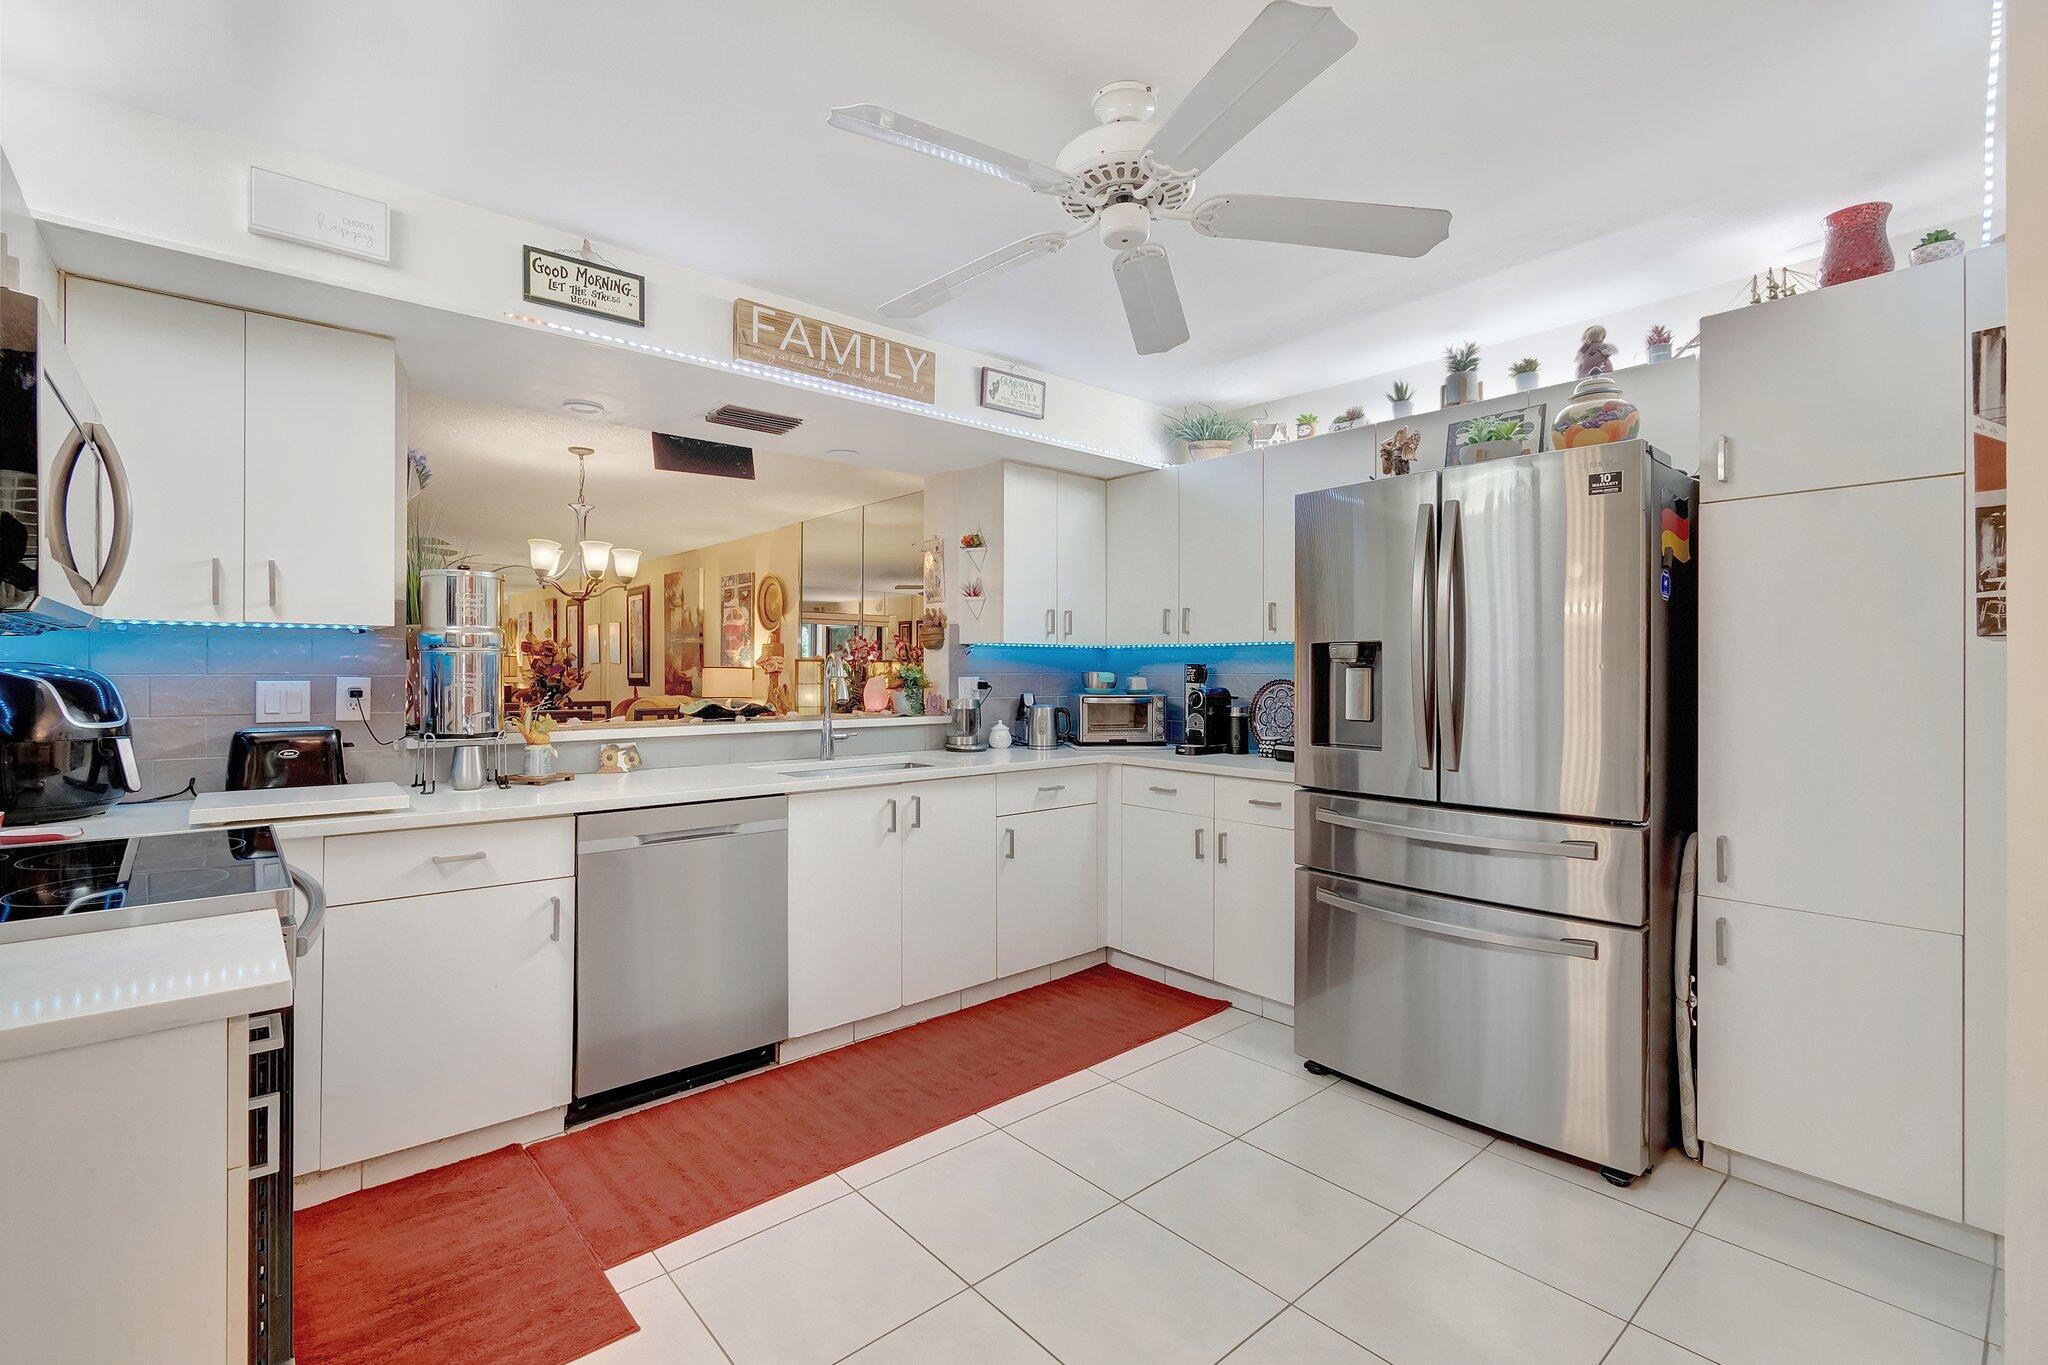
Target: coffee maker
(963, 717)
(1208, 714)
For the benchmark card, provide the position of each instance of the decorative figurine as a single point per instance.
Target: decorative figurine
(1596, 353)
(1397, 452)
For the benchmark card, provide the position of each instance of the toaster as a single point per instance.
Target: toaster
(263, 756)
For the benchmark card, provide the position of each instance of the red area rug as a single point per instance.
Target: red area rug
(640, 1182)
(470, 1262)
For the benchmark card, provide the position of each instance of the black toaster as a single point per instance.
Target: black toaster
(263, 756)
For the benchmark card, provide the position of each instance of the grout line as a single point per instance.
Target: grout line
(1861, 1293)
(702, 1321)
(656, 1253)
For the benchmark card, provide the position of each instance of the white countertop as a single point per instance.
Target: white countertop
(116, 983)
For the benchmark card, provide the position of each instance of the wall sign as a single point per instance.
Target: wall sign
(1013, 393)
(832, 350)
(582, 286)
(294, 210)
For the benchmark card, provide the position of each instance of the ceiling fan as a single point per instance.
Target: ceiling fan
(1128, 171)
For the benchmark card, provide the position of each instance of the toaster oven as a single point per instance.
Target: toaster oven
(1121, 718)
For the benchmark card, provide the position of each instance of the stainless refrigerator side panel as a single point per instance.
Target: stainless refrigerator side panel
(1364, 576)
(1559, 867)
(1530, 1025)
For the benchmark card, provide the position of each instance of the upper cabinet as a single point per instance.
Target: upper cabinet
(1220, 597)
(1042, 574)
(1291, 469)
(263, 456)
(1144, 558)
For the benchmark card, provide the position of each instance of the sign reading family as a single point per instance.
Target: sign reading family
(584, 287)
(832, 350)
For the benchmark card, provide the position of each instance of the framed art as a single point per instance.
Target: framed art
(639, 609)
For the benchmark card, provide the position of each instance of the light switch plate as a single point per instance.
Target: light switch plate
(283, 703)
(344, 705)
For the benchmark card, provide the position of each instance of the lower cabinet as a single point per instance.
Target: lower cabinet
(1255, 909)
(1169, 893)
(949, 887)
(445, 1013)
(1048, 869)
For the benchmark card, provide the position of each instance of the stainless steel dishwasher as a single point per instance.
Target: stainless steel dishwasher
(682, 948)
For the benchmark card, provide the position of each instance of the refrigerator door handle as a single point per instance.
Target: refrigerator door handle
(1562, 848)
(1421, 673)
(1562, 947)
(1450, 624)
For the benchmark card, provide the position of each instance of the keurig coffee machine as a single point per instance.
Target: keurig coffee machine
(1208, 714)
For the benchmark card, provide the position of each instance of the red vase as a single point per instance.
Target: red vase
(1856, 246)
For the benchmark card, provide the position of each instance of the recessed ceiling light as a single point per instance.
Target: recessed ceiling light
(583, 407)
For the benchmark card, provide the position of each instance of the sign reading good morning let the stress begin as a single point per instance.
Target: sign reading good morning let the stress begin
(583, 287)
(832, 350)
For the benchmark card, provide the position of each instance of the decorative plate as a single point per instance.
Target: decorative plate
(1273, 712)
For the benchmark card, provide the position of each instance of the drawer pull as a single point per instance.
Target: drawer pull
(1010, 843)
(1267, 805)
(1164, 791)
(1562, 848)
(1055, 790)
(1561, 947)
(451, 859)
(555, 934)
(1720, 943)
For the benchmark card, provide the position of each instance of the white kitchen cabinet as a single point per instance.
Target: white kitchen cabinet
(1048, 901)
(321, 409)
(1834, 1047)
(1220, 564)
(445, 1013)
(167, 376)
(949, 886)
(1292, 468)
(1255, 909)
(1169, 895)
(1083, 569)
(1031, 554)
(845, 906)
(1831, 700)
(1776, 379)
(1144, 558)
(308, 1010)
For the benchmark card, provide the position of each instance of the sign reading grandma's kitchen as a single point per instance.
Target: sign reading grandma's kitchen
(584, 287)
(832, 350)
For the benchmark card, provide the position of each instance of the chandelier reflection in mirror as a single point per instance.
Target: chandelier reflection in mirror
(600, 566)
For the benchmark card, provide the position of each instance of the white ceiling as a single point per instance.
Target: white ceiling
(1675, 145)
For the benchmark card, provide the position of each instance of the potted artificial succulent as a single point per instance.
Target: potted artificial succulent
(1402, 397)
(1524, 372)
(1493, 438)
(1657, 344)
(1937, 245)
(1349, 418)
(1461, 374)
(1304, 425)
(1207, 432)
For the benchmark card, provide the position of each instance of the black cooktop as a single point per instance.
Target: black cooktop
(79, 885)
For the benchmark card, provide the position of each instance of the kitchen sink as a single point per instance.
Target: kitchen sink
(847, 768)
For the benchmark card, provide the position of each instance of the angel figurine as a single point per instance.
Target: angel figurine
(1397, 452)
(1596, 353)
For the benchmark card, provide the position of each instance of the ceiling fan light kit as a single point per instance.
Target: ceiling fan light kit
(1119, 177)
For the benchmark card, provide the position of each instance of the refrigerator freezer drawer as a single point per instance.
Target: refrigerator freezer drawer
(1530, 1025)
(1559, 867)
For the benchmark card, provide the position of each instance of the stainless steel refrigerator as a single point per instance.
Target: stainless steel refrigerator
(1494, 748)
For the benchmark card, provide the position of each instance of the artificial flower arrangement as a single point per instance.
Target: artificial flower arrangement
(533, 727)
(552, 665)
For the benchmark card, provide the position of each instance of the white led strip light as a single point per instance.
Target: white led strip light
(755, 370)
(1991, 119)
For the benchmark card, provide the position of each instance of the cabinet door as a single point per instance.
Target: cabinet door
(1144, 559)
(1300, 467)
(1048, 896)
(1169, 906)
(1031, 555)
(1219, 550)
(444, 1014)
(1084, 533)
(1834, 1047)
(1255, 909)
(1776, 379)
(949, 886)
(167, 375)
(1831, 699)
(845, 906)
(322, 506)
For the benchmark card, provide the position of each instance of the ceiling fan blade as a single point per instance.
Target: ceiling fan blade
(930, 295)
(1385, 229)
(1145, 279)
(1285, 48)
(886, 125)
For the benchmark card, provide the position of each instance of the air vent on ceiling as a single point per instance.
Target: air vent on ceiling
(753, 419)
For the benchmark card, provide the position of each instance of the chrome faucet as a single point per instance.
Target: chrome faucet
(827, 738)
(835, 674)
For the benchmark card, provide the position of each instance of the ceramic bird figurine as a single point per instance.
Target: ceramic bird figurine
(1596, 353)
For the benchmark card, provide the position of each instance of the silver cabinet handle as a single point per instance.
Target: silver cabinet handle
(1070, 621)
(1421, 674)
(1222, 847)
(1056, 789)
(1049, 628)
(917, 812)
(1273, 617)
(451, 859)
(1720, 857)
(1562, 848)
(1186, 615)
(1721, 458)
(1164, 791)
(1267, 805)
(263, 1118)
(216, 582)
(1010, 843)
(1450, 628)
(555, 934)
(273, 582)
(316, 909)
(1720, 943)
(1562, 947)
(892, 815)
(1199, 832)
(1166, 620)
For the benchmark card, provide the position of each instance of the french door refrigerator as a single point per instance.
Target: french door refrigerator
(1494, 738)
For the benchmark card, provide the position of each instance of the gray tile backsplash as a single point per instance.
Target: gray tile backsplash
(1053, 674)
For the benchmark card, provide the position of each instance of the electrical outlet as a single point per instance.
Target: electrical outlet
(345, 705)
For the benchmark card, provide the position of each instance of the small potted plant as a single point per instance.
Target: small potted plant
(1657, 344)
(1492, 438)
(1937, 245)
(1461, 375)
(1208, 433)
(1524, 372)
(911, 681)
(1402, 397)
(1349, 418)
(1304, 425)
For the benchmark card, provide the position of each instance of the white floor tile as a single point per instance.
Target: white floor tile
(1121, 1289)
(814, 1289)
(1272, 1222)
(1638, 1347)
(1594, 1249)
(1739, 1308)
(670, 1332)
(980, 1206)
(639, 1270)
(1420, 1299)
(1367, 1150)
(1994, 1355)
(1045, 1097)
(1676, 1187)
(1117, 1138)
(1142, 1056)
(780, 1209)
(962, 1329)
(1273, 1044)
(1219, 1023)
(1953, 1290)
(1223, 1089)
(1414, 1113)
(1295, 1338)
(884, 1164)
